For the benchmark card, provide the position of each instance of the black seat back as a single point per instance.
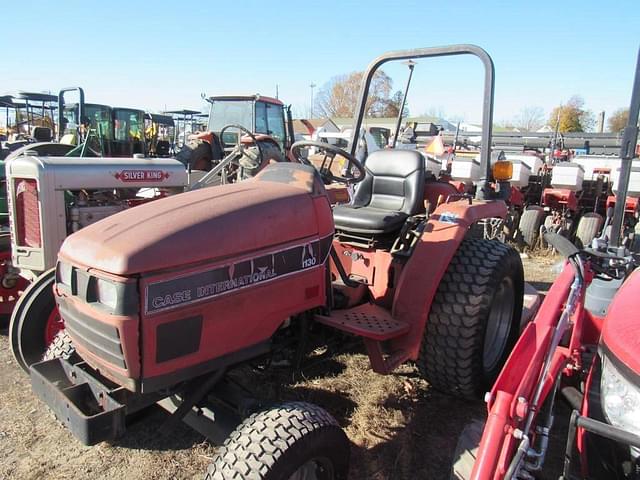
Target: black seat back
(43, 134)
(394, 181)
(163, 148)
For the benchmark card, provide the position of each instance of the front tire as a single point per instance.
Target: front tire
(294, 440)
(474, 319)
(31, 321)
(61, 347)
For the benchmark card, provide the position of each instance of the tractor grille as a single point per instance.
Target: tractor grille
(27, 213)
(99, 338)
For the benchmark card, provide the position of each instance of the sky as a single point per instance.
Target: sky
(162, 55)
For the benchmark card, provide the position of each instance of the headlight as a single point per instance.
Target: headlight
(107, 294)
(620, 398)
(64, 273)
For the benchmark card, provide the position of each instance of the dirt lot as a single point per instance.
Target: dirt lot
(398, 426)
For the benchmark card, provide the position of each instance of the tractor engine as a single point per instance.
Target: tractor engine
(189, 284)
(52, 197)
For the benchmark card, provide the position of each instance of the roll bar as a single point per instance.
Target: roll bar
(61, 104)
(444, 51)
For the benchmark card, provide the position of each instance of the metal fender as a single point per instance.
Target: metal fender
(420, 277)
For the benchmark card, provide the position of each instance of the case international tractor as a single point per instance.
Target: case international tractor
(169, 302)
(583, 345)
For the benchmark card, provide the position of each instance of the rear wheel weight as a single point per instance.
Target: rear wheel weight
(474, 319)
(294, 441)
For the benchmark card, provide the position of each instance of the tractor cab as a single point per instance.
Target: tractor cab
(257, 113)
(128, 132)
(95, 118)
(99, 130)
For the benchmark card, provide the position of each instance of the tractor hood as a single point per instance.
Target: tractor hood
(621, 330)
(203, 225)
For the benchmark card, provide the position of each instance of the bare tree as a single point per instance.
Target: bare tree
(339, 97)
(529, 119)
(393, 105)
(436, 112)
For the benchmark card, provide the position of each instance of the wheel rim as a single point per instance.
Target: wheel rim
(319, 468)
(54, 325)
(499, 323)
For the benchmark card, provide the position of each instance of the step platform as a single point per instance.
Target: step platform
(368, 321)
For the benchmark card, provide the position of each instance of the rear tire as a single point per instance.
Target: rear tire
(474, 319)
(529, 226)
(588, 227)
(289, 441)
(29, 321)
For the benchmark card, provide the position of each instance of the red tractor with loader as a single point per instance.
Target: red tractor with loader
(583, 346)
(171, 302)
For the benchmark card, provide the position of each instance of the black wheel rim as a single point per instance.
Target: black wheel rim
(499, 324)
(317, 468)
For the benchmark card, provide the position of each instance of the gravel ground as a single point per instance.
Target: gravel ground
(398, 426)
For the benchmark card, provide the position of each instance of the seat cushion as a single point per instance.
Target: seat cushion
(367, 219)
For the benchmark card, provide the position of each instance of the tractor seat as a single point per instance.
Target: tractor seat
(392, 190)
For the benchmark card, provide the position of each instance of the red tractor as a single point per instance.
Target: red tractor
(582, 344)
(170, 301)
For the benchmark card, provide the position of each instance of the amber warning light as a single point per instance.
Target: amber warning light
(502, 170)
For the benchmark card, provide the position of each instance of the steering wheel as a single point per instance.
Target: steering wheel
(330, 152)
(245, 157)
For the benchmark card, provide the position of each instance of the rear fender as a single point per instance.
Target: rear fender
(420, 277)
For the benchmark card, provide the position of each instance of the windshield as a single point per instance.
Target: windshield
(128, 124)
(97, 116)
(224, 112)
(100, 118)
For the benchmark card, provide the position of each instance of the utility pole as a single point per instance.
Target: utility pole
(312, 86)
(277, 92)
